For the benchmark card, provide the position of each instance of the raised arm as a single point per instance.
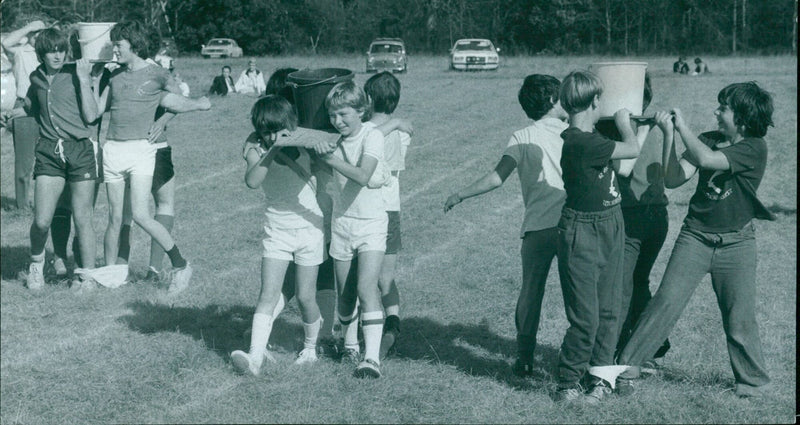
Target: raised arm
(89, 108)
(625, 166)
(629, 148)
(359, 174)
(258, 162)
(676, 171)
(491, 181)
(12, 39)
(706, 157)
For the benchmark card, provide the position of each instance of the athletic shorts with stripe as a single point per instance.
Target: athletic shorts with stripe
(72, 160)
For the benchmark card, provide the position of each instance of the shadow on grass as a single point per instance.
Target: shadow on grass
(779, 209)
(221, 328)
(474, 350)
(13, 259)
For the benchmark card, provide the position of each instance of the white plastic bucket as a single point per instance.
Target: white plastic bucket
(623, 86)
(95, 40)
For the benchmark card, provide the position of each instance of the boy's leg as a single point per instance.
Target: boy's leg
(733, 277)
(116, 198)
(347, 304)
(690, 261)
(140, 194)
(83, 207)
(60, 229)
(369, 268)
(47, 191)
(164, 196)
(326, 297)
(537, 252)
(309, 311)
(26, 133)
(124, 252)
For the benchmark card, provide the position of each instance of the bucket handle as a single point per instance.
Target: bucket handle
(293, 84)
(96, 37)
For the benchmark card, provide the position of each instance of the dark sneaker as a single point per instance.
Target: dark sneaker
(624, 387)
(327, 347)
(387, 343)
(567, 395)
(522, 367)
(598, 392)
(351, 356)
(368, 369)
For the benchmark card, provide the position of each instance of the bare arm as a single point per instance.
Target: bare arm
(491, 181)
(359, 174)
(706, 157)
(676, 171)
(13, 38)
(625, 166)
(89, 109)
(629, 148)
(258, 162)
(396, 124)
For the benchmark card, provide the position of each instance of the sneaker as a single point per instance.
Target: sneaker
(566, 395)
(36, 276)
(624, 387)
(152, 276)
(387, 343)
(328, 347)
(244, 364)
(522, 367)
(598, 392)
(368, 369)
(80, 283)
(59, 267)
(306, 356)
(350, 355)
(180, 279)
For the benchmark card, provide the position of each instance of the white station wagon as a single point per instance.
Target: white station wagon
(474, 53)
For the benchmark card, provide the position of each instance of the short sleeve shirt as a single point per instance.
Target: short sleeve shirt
(134, 98)
(352, 199)
(56, 105)
(589, 178)
(537, 151)
(721, 202)
(25, 62)
(395, 147)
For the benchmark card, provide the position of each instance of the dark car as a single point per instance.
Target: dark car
(387, 54)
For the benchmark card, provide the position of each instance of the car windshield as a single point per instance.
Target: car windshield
(474, 45)
(386, 48)
(219, 43)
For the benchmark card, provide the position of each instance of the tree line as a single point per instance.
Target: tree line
(272, 27)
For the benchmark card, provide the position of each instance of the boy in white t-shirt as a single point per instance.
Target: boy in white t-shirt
(359, 220)
(294, 229)
(535, 151)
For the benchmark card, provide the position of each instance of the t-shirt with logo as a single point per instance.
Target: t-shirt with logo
(134, 97)
(589, 178)
(724, 200)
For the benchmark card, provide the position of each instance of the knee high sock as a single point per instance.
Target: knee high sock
(372, 325)
(349, 324)
(311, 333)
(176, 258)
(391, 301)
(76, 251)
(262, 327)
(156, 252)
(60, 230)
(326, 299)
(124, 251)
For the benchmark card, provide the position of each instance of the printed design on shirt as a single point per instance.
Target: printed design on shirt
(715, 185)
(612, 190)
(148, 88)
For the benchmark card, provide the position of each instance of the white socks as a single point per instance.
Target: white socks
(262, 327)
(372, 326)
(311, 332)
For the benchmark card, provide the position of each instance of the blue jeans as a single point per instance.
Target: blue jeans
(731, 260)
(537, 252)
(590, 260)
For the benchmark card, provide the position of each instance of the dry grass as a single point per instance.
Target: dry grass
(131, 355)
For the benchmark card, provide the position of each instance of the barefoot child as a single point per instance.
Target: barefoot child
(591, 237)
(294, 229)
(535, 152)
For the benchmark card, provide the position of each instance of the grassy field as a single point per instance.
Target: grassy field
(133, 355)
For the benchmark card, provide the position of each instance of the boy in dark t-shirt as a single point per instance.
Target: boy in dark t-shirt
(718, 235)
(591, 238)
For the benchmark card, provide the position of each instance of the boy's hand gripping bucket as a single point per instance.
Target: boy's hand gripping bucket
(310, 87)
(623, 86)
(95, 40)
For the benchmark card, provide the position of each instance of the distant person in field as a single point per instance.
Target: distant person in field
(718, 234)
(644, 210)
(700, 67)
(135, 91)
(294, 229)
(60, 97)
(591, 240)
(163, 186)
(535, 152)
(384, 91)
(680, 66)
(251, 81)
(223, 83)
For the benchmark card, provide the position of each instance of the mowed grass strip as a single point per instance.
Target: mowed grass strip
(134, 355)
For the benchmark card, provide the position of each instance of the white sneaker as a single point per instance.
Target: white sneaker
(244, 364)
(180, 279)
(60, 267)
(36, 276)
(306, 356)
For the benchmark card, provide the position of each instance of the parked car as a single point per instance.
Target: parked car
(474, 53)
(221, 48)
(387, 54)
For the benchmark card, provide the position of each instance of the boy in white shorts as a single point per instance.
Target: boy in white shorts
(359, 220)
(294, 229)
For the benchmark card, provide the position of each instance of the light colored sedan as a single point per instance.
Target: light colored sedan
(474, 53)
(221, 48)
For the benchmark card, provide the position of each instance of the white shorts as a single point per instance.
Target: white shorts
(351, 234)
(131, 157)
(305, 246)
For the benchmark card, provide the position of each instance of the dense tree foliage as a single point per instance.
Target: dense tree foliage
(519, 26)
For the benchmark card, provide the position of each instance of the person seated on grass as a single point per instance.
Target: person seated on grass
(223, 83)
(293, 227)
(535, 152)
(718, 234)
(700, 67)
(680, 66)
(251, 81)
(591, 240)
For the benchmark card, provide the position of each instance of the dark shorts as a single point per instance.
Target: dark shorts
(393, 242)
(164, 170)
(75, 162)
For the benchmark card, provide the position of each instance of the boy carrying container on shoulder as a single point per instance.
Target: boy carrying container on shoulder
(718, 234)
(591, 238)
(294, 229)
